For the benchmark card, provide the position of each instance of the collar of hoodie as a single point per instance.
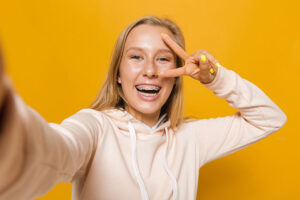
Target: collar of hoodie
(143, 131)
(127, 122)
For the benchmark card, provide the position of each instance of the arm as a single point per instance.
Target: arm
(36, 155)
(258, 115)
(257, 118)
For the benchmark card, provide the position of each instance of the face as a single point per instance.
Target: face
(145, 54)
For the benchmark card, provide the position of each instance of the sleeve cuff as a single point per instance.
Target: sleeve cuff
(224, 82)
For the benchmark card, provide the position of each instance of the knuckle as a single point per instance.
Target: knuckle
(203, 51)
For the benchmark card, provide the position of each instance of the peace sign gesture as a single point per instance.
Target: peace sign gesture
(200, 65)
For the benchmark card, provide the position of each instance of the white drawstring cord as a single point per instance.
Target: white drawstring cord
(136, 169)
(135, 165)
(174, 182)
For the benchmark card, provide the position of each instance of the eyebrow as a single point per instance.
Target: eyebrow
(141, 49)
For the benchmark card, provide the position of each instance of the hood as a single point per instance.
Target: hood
(136, 129)
(121, 118)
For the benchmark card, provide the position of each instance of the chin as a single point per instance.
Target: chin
(148, 109)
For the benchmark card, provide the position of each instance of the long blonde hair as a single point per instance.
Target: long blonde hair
(111, 94)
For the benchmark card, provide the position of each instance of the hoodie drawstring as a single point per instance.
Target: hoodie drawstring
(134, 162)
(174, 182)
(136, 169)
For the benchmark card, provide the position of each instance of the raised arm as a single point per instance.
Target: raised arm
(258, 117)
(36, 155)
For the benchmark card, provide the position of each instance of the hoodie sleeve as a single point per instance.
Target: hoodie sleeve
(36, 155)
(257, 117)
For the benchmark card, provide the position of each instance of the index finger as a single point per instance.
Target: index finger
(174, 46)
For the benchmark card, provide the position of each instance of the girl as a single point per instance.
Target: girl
(132, 143)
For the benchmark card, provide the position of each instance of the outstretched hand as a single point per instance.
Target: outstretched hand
(200, 65)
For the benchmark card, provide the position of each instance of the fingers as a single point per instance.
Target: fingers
(214, 62)
(205, 68)
(210, 63)
(174, 46)
(201, 65)
(173, 72)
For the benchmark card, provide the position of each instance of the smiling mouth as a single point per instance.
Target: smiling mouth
(148, 91)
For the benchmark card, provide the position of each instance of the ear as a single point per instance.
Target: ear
(119, 80)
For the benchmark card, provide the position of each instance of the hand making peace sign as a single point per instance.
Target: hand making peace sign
(200, 65)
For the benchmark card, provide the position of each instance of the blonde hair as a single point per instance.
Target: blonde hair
(111, 94)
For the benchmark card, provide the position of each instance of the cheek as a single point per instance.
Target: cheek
(128, 72)
(167, 66)
(168, 84)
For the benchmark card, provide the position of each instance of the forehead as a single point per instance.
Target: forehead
(147, 36)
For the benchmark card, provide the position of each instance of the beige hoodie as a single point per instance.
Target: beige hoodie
(110, 155)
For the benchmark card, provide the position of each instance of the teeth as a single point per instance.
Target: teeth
(155, 88)
(147, 94)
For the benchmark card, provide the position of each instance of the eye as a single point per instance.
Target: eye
(163, 59)
(136, 57)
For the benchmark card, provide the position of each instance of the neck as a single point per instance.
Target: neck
(148, 119)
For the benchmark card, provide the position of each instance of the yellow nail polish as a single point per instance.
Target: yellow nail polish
(212, 70)
(158, 73)
(218, 65)
(203, 58)
(162, 34)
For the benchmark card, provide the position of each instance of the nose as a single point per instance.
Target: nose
(150, 70)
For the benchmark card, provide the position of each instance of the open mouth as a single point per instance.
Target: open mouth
(148, 91)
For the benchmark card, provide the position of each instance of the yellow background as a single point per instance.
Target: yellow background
(57, 54)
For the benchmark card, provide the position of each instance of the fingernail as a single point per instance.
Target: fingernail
(158, 73)
(218, 65)
(162, 34)
(212, 70)
(203, 58)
